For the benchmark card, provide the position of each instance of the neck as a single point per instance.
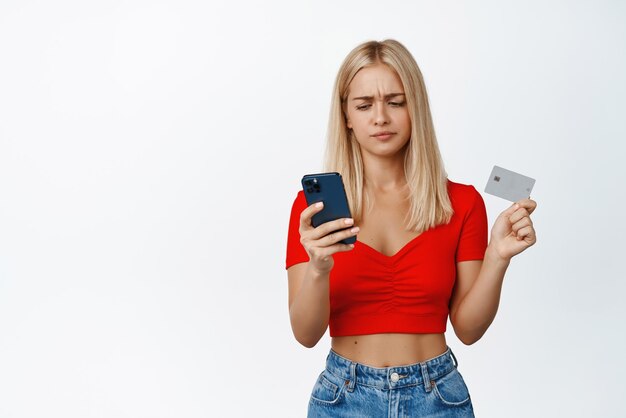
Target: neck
(384, 174)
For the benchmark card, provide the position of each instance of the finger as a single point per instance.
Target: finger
(307, 214)
(527, 204)
(511, 209)
(344, 247)
(524, 222)
(313, 238)
(337, 236)
(332, 226)
(524, 232)
(339, 247)
(519, 214)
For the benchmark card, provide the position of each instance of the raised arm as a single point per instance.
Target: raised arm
(309, 304)
(476, 295)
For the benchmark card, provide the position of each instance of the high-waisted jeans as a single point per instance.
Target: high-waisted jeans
(432, 388)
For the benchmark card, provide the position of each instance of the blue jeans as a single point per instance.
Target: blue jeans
(433, 388)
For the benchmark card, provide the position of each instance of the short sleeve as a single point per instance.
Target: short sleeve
(473, 239)
(295, 251)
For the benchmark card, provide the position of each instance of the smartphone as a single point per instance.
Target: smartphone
(328, 188)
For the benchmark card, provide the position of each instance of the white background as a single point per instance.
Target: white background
(150, 153)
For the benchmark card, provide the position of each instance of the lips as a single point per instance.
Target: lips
(383, 133)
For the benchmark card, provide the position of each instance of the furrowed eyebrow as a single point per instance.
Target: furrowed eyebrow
(387, 96)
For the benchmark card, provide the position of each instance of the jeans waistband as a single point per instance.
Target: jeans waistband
(391, 377)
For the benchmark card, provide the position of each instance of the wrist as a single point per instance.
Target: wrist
(317, 274)
(492, 255)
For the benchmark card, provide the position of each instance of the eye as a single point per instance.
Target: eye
(367, 106)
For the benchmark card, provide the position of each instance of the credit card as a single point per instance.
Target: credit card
(508, 184)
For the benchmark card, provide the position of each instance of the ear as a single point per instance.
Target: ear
(349, 124)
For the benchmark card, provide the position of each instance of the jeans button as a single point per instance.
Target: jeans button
(395, 377)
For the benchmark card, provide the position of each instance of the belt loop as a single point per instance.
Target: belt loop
(352, 377)
(455, 361)
(426, 377)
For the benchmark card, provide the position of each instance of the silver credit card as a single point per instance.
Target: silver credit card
(508, 184)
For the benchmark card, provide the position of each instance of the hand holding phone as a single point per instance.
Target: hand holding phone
(325, 230)
(329, 189)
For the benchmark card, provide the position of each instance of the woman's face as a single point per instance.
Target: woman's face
(375, 104)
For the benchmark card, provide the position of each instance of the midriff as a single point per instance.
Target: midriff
(390, 350)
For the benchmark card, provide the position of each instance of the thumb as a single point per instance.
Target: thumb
(511, 209)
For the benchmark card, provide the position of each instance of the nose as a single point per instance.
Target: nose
(380, 115)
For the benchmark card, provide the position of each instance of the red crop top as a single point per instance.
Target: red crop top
(408, 292)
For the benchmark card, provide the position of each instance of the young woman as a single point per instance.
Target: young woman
(421, 252)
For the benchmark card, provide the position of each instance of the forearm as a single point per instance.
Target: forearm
(310, 308)
(478, 308)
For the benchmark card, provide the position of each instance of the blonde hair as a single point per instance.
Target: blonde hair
(423, 166)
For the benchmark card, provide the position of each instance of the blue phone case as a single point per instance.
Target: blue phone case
(327, 187)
